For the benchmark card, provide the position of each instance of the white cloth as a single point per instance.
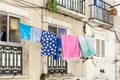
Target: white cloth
(36, 34)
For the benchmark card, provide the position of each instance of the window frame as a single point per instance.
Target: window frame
(62, 69)
(57, 26)
(100, 49)
(8, 24)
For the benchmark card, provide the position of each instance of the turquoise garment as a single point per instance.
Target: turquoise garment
(90, 46)
(86, 46)
(25, 31)
(83, 46)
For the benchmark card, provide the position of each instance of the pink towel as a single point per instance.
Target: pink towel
(70, 47)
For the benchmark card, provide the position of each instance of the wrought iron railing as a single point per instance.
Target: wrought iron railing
(10, 60)
(101, 12)
(56, 66)
(74, 5)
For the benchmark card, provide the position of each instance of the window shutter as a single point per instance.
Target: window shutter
(103, 48)
(98, 47)
(14, 23)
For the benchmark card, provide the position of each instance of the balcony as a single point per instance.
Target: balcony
(73, 8)
(100, 14)
(56, 66)
(10, 60)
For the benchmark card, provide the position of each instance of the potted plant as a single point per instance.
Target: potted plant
(113, 11)
(52, 5)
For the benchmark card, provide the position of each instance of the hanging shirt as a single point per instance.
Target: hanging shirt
(86, 46)
(56, 57)
(70, 47)
(49, 43)
(36, 34)
(90, 46)
(83, 46)
(25, 31)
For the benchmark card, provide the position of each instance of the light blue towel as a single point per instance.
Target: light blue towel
(25, 31)
(83, 46)
(90, 46)
(86, 45)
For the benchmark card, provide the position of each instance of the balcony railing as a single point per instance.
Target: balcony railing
(74, 5)
(101, 13)
(56, 66)
(10, 60)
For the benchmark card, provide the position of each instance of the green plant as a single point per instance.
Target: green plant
(53, 5)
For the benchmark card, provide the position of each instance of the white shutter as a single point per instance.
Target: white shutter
(97, 47)
(103, 48)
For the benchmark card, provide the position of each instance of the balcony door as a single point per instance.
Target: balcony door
(98, 9)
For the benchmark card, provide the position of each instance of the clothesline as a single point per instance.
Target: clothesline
(50, 41)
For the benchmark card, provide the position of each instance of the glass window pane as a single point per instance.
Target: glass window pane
(52, 29)
(3, 27)
(61, 31)
(14, 34)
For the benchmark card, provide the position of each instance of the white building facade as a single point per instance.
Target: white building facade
(21, 59)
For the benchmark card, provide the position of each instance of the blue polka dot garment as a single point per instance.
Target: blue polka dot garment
(48, 43)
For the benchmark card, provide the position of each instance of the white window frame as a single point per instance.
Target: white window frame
(8, 42)
(57, 26)
(101, 49)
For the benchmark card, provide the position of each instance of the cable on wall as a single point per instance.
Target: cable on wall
(32, 5)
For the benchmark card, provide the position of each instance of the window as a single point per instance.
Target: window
(58, 30)
(98, 3)
(100, 48)
(56, 66)
(9, 30)
(10, 56)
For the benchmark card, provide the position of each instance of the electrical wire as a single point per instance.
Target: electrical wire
(41, 15)
(21, 3)
(32, 5)
(94, 27)
(115, 35)
(115, 5)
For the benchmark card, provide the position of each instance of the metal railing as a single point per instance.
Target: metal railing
(10, 60)
(101, 13)
(74, 5)
(56, 66)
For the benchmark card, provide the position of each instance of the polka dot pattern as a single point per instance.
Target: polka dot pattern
(48, 43)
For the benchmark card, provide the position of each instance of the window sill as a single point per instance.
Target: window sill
(10, 43)
(10, 77)
(61, 75)
(99, 58)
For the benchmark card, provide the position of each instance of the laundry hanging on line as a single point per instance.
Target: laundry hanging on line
(57, 56)
(25, 31)
(36, 34)
(86, 46)
(49, 43)
(70, 47)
